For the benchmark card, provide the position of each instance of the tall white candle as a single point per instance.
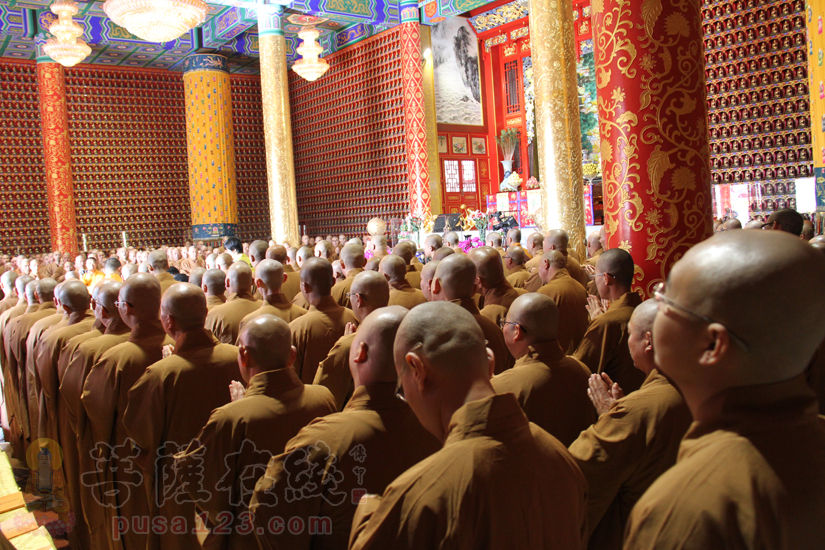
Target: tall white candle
(85, 248)
(124, 239)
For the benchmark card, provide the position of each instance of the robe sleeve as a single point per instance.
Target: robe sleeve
(46, 365)
(333, 372)
(71, 388)
(596, 347)
(299, 339)
(144, 416)
(99, 398)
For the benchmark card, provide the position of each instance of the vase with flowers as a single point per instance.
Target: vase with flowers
(508, 141)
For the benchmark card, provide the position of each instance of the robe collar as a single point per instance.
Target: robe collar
(403, 285)
(274, 383)
(146, 330)
(195, 339)
(548, 352)
(279, 301)
(497, 416)
(325, 303)
(629, 299)
(374, 397)
(468, 304)
(351, 273)
(499, 294)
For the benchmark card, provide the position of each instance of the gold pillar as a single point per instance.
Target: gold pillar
(558, 132)
(280, 168)
(428, 74)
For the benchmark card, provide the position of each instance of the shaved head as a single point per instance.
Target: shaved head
(557, 239)
(142, 291)
(373, 289)
(538, 316)
(21, 283)
(754, 224)
(45, 289)
(240, 277)
(317, 273)
(404, 250)
(619, 263)
(268, 341)
(427, 274)
(556, 259)
(372, 264)
(224, 262)
(128, 270)
(732, 223)
(516, 253)
(394, 268)
(808, 230)
(271, 274)
(433, 241)
(304, 253)
(352, 257)
(215, 281)
(196, 276)
(107, 296)
(158, 260)
(211, 261)
(765, 287)
(186, 304)
(442, 253)
(7, 281)
(788, 220)
(456, 276)
(494, 239)
(455, 343)
(488, 265)
(451, 238)
(277, 253)
(644, 315)
(514, 236)
(819, 245)
(257, 251)
(375, 338)
(74, 296)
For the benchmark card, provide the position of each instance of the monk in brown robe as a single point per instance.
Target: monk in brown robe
(517, 274)
(497, 292)
(432, 243)
(269, 276)
(304, 253)
(401, 293)
(314, 334)
(535, 248)
(159, 267)
(370, 291)
(494, 464)
(604, 346)
(427, 274)
(292, 283)
(371, 442)
(635, 440)
(213, 285)
(237, 442)
(550, 387)
(196, 277)
(738, 321)
(52, 417)
(84, 351)
(594, 246)
(21, 353)
(406, 251)
(224, 321)
(257, 252)
(10, 298)
(10, 376)
(170, 403)
(116, 476)
(569, 296)
(352, 262)
(455, 281)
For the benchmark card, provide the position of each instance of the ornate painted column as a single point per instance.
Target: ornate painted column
(280, 167)
(415, 120)
(558, 130)
(209, 137)
(654, 135)
(51, 84)
(428, 72)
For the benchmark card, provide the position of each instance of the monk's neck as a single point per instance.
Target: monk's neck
(116, 325)
(75, 317)
(243, 294)
(478, 389)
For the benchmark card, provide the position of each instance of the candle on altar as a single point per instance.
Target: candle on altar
(85, 249)
(124, 239)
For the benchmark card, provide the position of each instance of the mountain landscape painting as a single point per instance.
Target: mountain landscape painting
(457, 79)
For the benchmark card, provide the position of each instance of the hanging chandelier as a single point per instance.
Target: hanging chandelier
(310, 67)
(157, 20)
(66, 47)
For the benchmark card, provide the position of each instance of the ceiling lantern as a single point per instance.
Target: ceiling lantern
(65, 46)
(157, 20)
(310, 67)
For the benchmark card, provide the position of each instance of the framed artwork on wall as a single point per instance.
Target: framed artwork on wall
(459, 145)
(442, 144)
(457, 74)
(479, 145)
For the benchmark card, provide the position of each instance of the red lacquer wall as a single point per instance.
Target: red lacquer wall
(348, 134)
(24, 223)
(128, 138)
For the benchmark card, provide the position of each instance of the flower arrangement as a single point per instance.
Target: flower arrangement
(469, 244)
(532, 183)
(508, 141)
(475, 219)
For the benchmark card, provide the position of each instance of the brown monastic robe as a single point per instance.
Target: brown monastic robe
(551, 389)
(577, 272)
(571, 299)
(498, 482)
(595, 257)
(518, 277)
(413, 276)
(342, 288)
(624, 452)
(238, 441)
(104, 402)
(497, 300)
(39, 331)
(493, 335)
(83, 352)
(11, 385)
(166, 409)
(404, 295)
(292, 286)
(166, 280)
(366, 446)
(8, 302)
(224, 321)
(314, 334)
(752, 477)
(604, 346)
(280, 307)
(212, 301)
(333, 372)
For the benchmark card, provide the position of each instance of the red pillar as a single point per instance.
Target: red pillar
(51, 84)
(414, 120)
(653, 126)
